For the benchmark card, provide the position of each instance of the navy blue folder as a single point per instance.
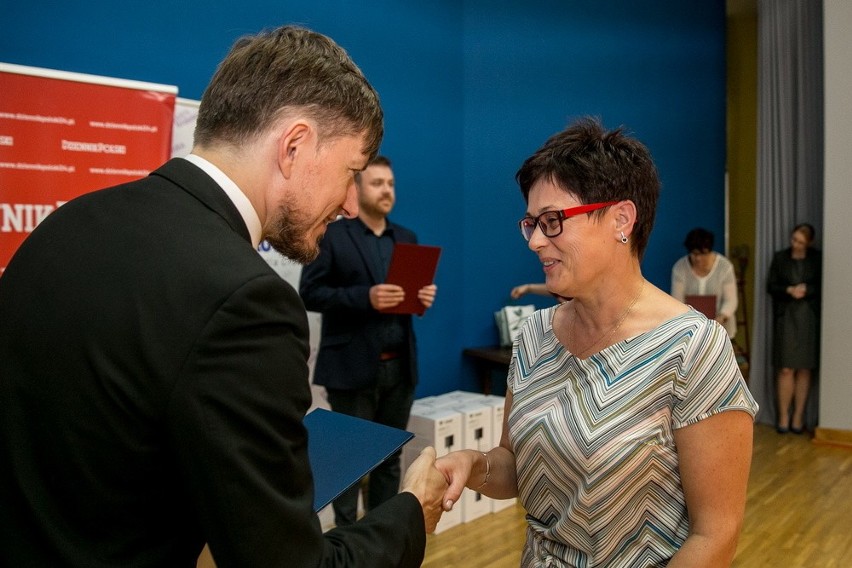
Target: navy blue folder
(343, 449)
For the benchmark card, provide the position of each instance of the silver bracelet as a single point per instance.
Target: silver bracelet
(487, 470)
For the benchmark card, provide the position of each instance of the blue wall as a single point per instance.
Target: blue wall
(469, 89)
(656, 67)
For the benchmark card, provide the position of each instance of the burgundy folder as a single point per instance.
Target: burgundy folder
(412, 267)
(704, 304)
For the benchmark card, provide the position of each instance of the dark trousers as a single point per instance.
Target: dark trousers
(388, 403)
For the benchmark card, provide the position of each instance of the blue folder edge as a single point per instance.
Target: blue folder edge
(342, 449)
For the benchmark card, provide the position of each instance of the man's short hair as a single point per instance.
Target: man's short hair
(377, 161)
(289, 68)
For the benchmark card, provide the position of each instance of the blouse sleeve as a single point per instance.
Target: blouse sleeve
(728, 297)
(679, 280)
(711, 381)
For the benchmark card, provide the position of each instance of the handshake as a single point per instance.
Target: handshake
(427, 484)
(438, 484)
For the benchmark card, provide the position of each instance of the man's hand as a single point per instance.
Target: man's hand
(426, 295)
(428, 485)
(383, 296)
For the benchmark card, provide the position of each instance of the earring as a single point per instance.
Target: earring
(623, 238)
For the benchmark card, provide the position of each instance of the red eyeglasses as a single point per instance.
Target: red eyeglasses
(550, 222)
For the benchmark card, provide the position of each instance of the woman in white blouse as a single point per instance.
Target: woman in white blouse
(704, 272)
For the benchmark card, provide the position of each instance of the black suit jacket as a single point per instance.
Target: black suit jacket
(337, 284)
(153, 382)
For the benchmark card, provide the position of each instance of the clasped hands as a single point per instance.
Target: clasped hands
(438, 485)
(798, 291)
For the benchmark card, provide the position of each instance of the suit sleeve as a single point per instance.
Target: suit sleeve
(235, 428)
(319, 287)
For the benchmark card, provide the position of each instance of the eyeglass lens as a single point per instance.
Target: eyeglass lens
(549, 221)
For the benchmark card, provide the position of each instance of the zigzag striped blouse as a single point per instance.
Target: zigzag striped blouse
(593, 439)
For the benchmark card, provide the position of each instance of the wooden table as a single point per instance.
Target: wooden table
(487, 360)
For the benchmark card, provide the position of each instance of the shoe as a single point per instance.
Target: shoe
(799, 430)
(781, 430)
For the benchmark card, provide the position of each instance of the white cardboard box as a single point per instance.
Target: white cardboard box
(456, 395)
(436, 426)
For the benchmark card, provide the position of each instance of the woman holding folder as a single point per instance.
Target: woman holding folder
(705, 275)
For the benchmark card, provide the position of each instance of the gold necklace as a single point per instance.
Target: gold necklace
(606, 335)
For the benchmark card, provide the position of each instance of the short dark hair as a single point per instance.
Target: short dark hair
(288, 68)
(597, 166)
(698, 239)
(377, 161)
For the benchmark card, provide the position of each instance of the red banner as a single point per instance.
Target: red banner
(65, 134)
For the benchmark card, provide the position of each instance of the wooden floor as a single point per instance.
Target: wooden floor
(799, 514)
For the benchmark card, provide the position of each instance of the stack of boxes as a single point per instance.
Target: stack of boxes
(454, 421)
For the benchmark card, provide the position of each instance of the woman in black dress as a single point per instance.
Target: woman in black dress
(795, 283)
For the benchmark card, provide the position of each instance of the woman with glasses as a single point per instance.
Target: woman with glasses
(794, 282)
(628, 427)
(703, 273)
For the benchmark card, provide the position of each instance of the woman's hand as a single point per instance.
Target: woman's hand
(798, 291)
(457, 468)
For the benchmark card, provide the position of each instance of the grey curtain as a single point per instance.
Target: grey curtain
(789, 164)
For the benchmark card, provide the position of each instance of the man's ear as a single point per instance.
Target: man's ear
(294, 141)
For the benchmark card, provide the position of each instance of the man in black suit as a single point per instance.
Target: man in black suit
(153, 375)
(367, 359)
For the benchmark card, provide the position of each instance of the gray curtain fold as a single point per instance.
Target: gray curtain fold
(789, 165)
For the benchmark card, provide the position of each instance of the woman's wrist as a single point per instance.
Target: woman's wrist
(487, 475)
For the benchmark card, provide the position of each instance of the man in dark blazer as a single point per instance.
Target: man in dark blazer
(367, 359)
(153, 375)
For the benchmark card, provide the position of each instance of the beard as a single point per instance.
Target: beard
(288, 234)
